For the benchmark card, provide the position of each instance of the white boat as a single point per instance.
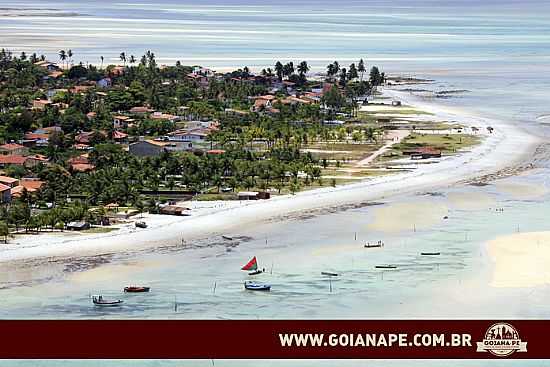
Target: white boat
(100, 301)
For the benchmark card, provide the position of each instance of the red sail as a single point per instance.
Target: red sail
(252, 265)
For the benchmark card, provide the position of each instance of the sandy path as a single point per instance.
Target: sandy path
(508, 145)
(394, 137)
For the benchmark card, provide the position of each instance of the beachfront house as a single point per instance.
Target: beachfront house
(78, 226)
(173, 210)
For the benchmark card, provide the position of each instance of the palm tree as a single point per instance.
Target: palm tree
(70, 55)
(336, 67)
(132, 59)
(123, 57)
(361, 68)
(279, 70)
(303, 68)
(4, 231)
(330, 70)
(62, 56)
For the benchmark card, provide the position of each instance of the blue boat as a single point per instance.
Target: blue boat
(254, 286)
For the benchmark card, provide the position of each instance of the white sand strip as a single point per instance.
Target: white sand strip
(506, 146)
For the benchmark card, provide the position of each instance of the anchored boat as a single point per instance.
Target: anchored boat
(136, 289)
(386, 267)
(252, 266)
(254, 286)
(100, 301)
(430, 253)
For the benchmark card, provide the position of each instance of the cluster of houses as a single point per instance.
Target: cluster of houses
(11, 187)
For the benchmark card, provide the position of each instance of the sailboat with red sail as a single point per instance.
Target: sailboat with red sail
(252, 267)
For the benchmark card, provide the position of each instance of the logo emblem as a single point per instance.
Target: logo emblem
(501, 340)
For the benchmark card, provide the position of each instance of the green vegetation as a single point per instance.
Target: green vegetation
(77, 122)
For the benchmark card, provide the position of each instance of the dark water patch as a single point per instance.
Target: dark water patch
(317, 212)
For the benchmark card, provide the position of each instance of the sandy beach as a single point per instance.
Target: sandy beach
(520, 260)
(507, 146)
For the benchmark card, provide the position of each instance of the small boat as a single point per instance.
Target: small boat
(386, 267)
(100, 301)
(141, 225)
(136, 289)
(252, 266)
(256, 272)
(330, 274)
(253, 286)
(227, 238)
(373, 245)
(430, 253)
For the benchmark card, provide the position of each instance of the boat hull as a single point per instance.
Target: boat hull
(136, 289)
(257, 287)
(100, 302)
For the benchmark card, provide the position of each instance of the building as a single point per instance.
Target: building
(104, 83)
(147, 148)
(78, 226)
(9, 181)
(140, 110)
(40, 104)
(121, 121)
(49, 66)
(173, 210)
(164, 116)
(423, 153)
(5, 194)
(195, 136)
(13, 148)
(253, 195)
(31, 185)
(12, 160)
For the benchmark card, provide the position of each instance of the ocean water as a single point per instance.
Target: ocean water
(498, 51)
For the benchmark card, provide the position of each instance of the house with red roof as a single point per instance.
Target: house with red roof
(13, 148)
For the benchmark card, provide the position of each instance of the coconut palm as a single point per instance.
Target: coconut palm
(62, 56)
(361, 69)
(303, 68)
(70, 56)
(123, 57)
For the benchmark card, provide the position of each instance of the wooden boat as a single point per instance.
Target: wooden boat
(100, 301)
(430, 253)
(136, 289)
(328, 273)
(253, 286)
(373, 245)
(227, 238)
(141, 225)
(386, 267)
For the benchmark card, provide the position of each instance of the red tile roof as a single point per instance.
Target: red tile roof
(4, 188)
(31, 184)
(11, 146)
(82, 167)
(13, 159)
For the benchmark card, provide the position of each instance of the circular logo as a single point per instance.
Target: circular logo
(502, 340)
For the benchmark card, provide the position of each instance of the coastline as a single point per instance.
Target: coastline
(507, 146)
